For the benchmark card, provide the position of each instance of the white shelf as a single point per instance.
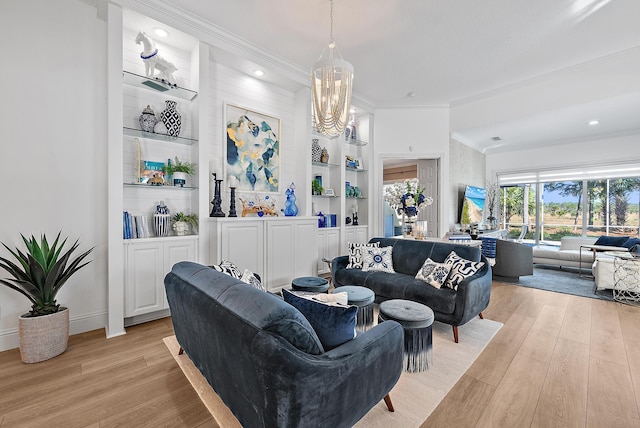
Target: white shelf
(190, 236)
(324, 164)
(163, 187)
(355, 142)
(158, 137)
(158, 85)
(349, 169)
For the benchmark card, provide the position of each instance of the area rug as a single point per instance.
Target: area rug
(565, 280)
(415, 395)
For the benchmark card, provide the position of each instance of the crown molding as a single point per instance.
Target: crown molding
(167, 12)
(463, 140)
(541, 77)
(413, 107)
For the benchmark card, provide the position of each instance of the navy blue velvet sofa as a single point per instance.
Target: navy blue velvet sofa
(451, 307)
(264, 360)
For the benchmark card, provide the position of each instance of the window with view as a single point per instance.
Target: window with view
(601, 201)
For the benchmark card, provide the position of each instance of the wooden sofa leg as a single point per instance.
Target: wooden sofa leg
(181, 351)
(481, 316)
(455, 333)
(387, 401)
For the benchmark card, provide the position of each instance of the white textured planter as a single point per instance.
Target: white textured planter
(179, 178)
(45, 337)
(181, 227)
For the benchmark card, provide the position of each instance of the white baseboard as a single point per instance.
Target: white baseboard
(152, 316)
(9, 339)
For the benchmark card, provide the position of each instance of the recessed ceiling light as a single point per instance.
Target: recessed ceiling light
(160, 32)
(496, 138)
(258, 73)
(594, 122)
(411, 94)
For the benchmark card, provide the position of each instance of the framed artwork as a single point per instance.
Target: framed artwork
(252, 152)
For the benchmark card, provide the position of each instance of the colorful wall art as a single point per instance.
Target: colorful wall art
(252, 149)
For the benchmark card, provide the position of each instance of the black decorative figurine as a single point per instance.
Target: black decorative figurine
(217, 199)
(232, 204)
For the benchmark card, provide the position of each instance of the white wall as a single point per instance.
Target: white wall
(53, 122)
(232, 87)
(411, 133)
(593, 152)
(467, 167)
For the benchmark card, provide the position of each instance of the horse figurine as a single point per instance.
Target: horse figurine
(153, 61)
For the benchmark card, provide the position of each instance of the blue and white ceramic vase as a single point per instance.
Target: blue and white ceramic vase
(316, 151)
(171, 118)
(162, 220)
(147, 119)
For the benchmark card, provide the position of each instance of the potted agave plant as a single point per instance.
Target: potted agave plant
(39, 274)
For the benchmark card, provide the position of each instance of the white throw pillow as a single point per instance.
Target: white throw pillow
(355, 253)
(433, 273)
(250, 278)
(460, 269)
(377, 259)
(335, 299)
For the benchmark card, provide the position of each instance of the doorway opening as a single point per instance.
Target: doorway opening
(426, 171)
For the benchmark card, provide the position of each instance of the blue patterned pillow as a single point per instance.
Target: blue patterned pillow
(433, 273)
(229, 268)
(334, 324)
(377, 259)
(460, 269)
(355, 254)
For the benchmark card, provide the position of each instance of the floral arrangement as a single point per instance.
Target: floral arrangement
(407, 197)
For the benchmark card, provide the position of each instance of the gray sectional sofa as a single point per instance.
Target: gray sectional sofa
(451, 307)
(265, 361)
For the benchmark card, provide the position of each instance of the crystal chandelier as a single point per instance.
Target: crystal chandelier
(331, 85)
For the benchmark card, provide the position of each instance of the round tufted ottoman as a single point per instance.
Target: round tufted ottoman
(310, 283)
(363, 298)
(416, 320)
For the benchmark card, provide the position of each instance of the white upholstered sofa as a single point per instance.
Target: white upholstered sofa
(567, 254)
(603, 271)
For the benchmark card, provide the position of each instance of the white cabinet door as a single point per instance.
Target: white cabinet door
(145, 275)
(281, 256)
(291, 251)
(240, 242)
(305, 244)
(175, 252)
(355, 234)
(147, 263)
(328, 248)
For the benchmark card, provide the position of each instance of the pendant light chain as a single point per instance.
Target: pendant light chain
(331, 89)
(331, 43)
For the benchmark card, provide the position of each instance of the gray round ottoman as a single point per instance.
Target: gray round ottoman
(363, 298)
(416, 320)
(310, 283)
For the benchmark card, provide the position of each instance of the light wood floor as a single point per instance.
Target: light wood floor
(559, 361)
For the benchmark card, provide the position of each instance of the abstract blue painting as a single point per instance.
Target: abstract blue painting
(252, 149)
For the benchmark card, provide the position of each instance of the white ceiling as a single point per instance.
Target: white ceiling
(449, 52)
